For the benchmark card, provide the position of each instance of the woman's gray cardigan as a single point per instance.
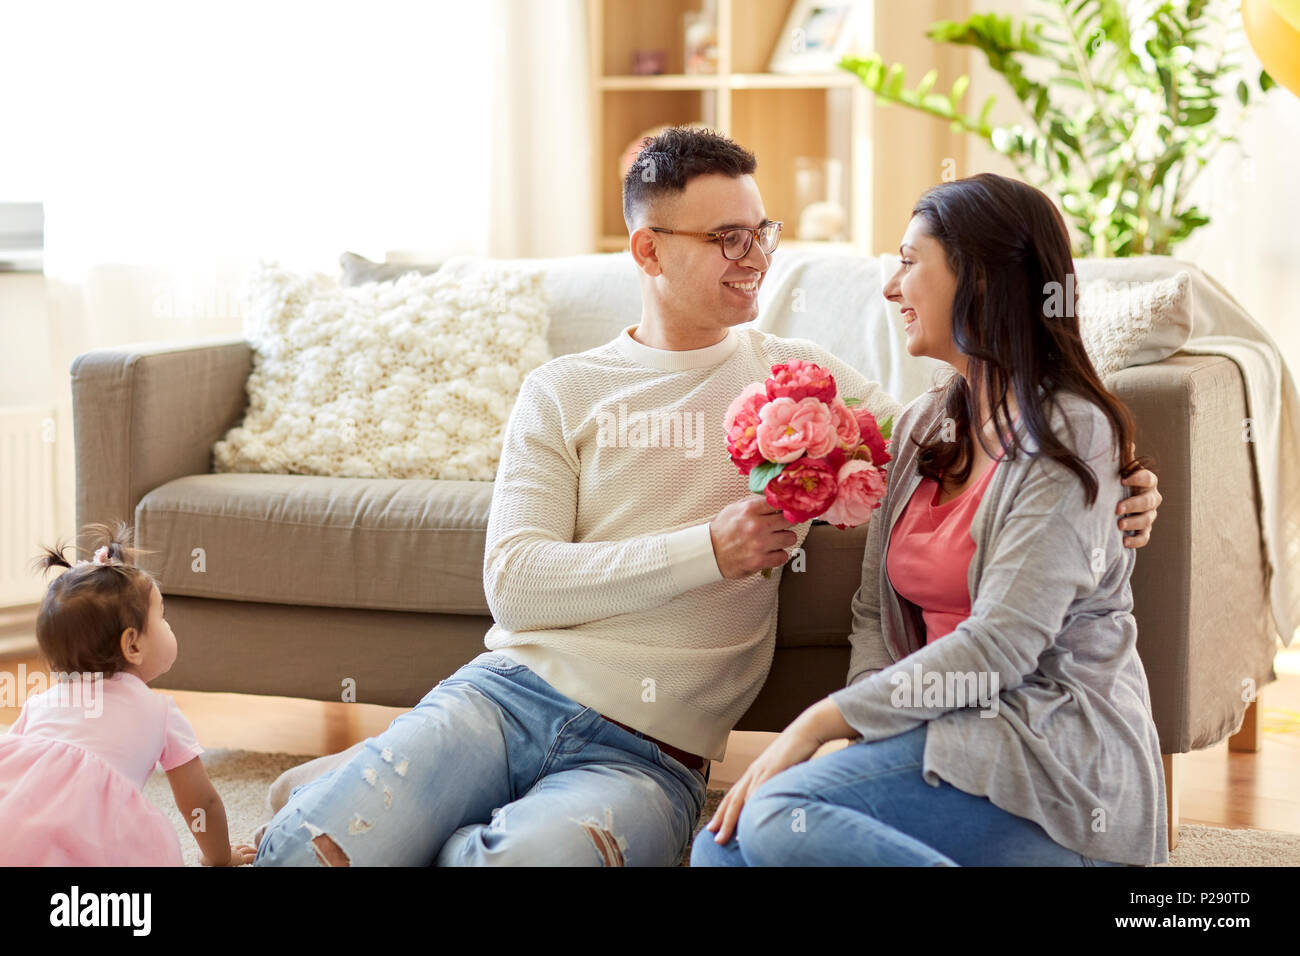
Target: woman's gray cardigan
(1067, 738)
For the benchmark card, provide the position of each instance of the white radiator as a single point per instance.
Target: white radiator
(28, 492)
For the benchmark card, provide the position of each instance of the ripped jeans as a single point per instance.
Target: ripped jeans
(493, 767)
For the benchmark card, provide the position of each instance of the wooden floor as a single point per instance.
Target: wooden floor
(1259, 790)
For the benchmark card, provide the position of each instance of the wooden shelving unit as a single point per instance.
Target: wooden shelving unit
(779, 117)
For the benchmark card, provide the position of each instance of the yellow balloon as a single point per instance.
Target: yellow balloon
(1288, 10)
(1276, 42)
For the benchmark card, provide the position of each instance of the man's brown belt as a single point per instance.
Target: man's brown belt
(689, 761)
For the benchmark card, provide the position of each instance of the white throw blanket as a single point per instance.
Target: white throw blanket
(1272, 404)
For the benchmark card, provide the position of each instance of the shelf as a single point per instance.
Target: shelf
(666, 81)
(785, 119)
(733, 81)
(791, 81)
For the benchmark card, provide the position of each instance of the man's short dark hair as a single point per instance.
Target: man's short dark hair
(667, 162)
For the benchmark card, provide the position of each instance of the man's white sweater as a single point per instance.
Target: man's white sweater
(599, 568)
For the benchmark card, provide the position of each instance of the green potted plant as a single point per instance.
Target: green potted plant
(1120, 114)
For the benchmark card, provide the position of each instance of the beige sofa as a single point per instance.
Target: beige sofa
(325, 588)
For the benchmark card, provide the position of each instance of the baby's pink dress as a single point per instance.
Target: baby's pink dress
(72, 772)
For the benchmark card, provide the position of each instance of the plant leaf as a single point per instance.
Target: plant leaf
(893, 83)
(1082, 146)
(762, 473)
(927, 81)
(959, 90)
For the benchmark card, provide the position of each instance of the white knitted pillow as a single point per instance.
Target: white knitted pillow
(413, 378)
(1134, 323)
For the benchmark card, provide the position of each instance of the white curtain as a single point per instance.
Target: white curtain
(174, 144)
(541, 173)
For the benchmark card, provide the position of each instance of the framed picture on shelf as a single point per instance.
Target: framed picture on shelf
(817, 33)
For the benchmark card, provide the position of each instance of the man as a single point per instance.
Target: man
(631, 630)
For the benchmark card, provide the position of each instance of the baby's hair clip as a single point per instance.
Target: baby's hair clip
(101, 558)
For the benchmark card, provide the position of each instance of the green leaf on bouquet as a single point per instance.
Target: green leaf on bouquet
(852, 401)
(887, 427)
(760, 475)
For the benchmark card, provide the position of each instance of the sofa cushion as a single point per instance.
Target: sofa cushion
(1134, 323)
(381, 543)
(314, 541)
(413, 378)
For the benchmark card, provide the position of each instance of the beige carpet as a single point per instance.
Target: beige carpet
(243, 778)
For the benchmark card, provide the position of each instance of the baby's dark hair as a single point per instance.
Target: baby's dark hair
(87, 607)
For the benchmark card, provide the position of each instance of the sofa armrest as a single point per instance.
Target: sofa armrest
(1200, 590)
(147, 413)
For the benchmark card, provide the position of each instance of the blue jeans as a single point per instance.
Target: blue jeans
(868, 805)
(493, 767)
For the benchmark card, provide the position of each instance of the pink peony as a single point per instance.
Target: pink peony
(847, 430)
(835, 458)
(798, 379)
(743, 461)
(871, 435)
(744, 451)
(741, 425)
(788, 429)
(751, 399)
(860, 489)
(802, 490)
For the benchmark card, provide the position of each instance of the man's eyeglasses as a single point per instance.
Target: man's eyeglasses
(737, 240)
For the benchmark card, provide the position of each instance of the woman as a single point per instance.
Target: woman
(997, 704)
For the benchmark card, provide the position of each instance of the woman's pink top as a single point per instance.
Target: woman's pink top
(930, 551)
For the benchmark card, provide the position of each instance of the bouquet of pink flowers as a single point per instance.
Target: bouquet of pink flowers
(811, 453)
